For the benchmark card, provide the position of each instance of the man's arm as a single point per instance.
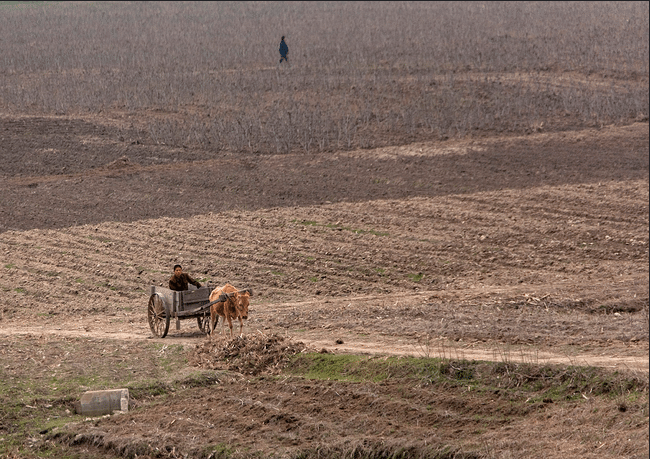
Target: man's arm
(193, 282)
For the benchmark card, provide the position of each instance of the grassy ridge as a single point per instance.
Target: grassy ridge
(539, 383)
(37, 405)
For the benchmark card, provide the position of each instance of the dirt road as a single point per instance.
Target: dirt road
(307, 322)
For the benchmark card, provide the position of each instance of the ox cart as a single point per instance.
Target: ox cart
(165, 304)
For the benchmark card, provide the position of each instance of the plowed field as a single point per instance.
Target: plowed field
(530, 248)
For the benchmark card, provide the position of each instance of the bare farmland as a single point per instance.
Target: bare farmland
(442, 209)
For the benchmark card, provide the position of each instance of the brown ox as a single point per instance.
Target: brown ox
(232, 304)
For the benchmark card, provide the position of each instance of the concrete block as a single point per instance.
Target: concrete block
(101, 402)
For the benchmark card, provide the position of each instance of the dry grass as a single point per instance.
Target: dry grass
(360, 74)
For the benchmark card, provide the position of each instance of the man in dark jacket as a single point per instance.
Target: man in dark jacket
(180, 280)
(284, 50)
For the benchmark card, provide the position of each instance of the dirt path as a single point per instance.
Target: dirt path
(326, 334)
(616, 358)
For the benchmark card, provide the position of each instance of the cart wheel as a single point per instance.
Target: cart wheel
(158, 315)
(204, 323)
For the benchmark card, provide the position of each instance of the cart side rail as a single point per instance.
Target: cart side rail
(194, 298)
(168, 296)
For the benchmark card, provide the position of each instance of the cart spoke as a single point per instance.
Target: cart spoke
(157, 316)
(204, 323)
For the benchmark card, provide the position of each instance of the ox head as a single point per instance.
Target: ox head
(242, 306)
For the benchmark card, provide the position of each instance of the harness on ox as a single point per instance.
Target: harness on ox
(224, 296)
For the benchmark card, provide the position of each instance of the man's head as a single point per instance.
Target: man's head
(178, 270)
(282, 37)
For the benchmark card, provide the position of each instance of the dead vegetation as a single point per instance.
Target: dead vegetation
(249, 355)
(432, 71)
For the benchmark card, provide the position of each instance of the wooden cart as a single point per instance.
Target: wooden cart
(165, 304)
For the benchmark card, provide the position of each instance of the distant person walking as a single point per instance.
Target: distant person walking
(284, 50)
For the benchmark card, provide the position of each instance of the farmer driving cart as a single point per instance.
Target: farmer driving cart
(180, 303)
(180, 280)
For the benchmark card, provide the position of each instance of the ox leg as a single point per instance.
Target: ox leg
(230, 325)
(214, 318)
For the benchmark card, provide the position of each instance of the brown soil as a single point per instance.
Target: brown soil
(529, 249)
